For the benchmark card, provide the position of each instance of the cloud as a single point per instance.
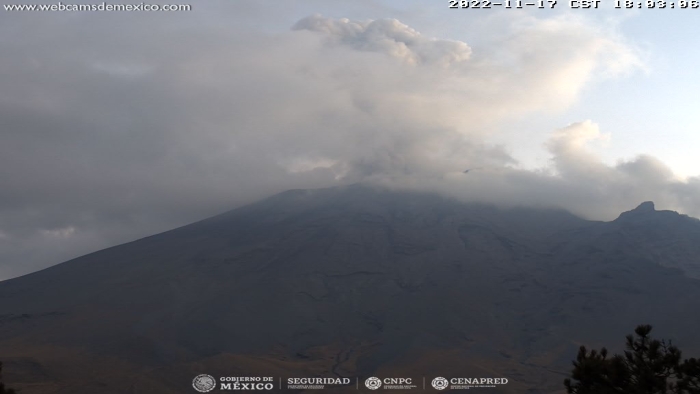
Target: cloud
(570, 155)
(387, 36)
(110, 137)
(577, 180)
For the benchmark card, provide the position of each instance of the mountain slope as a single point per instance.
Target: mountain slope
(352, 281)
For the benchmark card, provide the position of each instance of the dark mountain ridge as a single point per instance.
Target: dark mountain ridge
(353, 281)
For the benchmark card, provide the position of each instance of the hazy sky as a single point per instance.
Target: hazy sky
(117, 125)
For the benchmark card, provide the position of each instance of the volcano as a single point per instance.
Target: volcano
(354, 281)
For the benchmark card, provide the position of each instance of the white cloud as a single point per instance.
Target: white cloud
(387, 36)
(65, 232)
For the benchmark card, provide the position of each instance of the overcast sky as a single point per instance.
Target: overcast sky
(117, 125)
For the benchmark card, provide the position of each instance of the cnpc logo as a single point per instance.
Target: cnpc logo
(374, 382)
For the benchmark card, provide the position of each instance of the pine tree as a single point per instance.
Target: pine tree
(689, 376)
(648, 366)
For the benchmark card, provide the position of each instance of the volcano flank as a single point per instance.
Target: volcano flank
(353, 281)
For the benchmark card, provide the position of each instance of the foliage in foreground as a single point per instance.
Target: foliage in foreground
(648, 366)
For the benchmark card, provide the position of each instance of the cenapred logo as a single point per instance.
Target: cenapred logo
(440, 383)
(373, 383)
(204, 383)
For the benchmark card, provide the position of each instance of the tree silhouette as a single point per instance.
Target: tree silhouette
(648, 366)
(4, 390)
